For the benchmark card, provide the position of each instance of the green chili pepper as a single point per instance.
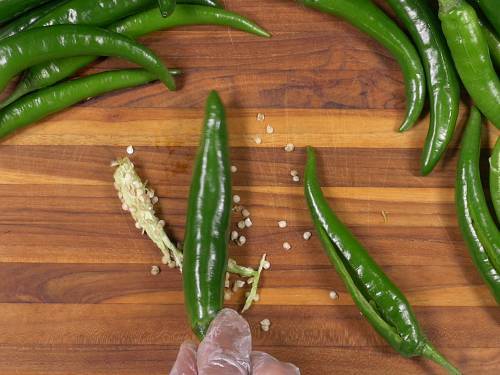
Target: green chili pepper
(367, 17)
(476, 224)
(493, 43)
(12, 8)
(42, 103)
(45, 43)
(470, 52)
(140, 24)
(442, 81)
(380, 301)
(27, 20)
(166, 7)
(491, 11)
(209, 3)
(495, 178)
(207, 222)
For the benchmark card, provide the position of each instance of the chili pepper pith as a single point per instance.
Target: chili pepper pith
(207, 223)
(46, 43)
(42, 103)
(367, 17)
(470, 53)
(166, 7)
(12, 8)
(380, 301)
(134, 26)
(495, 178)
(475, 222)
(442, 82)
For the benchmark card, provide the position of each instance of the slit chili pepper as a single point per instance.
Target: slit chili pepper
(476, 224)
(495, 178)
(490, 10)
(207, 222)
(12, 8)
(166, 7)
(29, 19)
(443, 85)
(380, 301)
(134, 26)
(367, 17)
(45, 43)
(471, 55)
(42, 103)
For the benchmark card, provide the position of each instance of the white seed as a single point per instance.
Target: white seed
(269, 129)
(227, 295)
(154, 200)
(242, 240)
(294, 172)
(282, 224)
(334, 295)
(234, 235)
(248, 222)
(260, 117)
(161, 223)
(245, 212)
(265, 324)
(256, 298)
(236, 198)
(234, 168)
(307, 235)
(130, 150)
(250, 280)
(241, 224)
(155, 270)
(266, 264)
(165, 259)
(287, 246)
(289, 147)
(237, 285)
(137, 225)
(258, 140)
(226, 284)
(171, 265)
(296, 178)
(124, 207)
(151, 193)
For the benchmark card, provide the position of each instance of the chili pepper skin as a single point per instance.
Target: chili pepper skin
(166, 7)
(495, 178)
(493, 44)
(442, 81)
(12, 8)
(367, 17)
(380, 301)
(207, 222)
(134, 26)
(28, 19)
(475, 221)
(490, 10)
(45, 43)
(209, 3)
(42, 103)
(469, 50)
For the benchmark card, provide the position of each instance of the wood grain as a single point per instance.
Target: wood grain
(77, 296)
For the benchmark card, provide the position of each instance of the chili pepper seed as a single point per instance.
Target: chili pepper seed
(234, 168)
(236, 198)
(260, 117)
(287, 246)
(241, 224)
(334, 295)
(307, 235)
(265, 324)
(130, 150)
(289, 147)
(282, 224)
(269, 129)
(245, 213)
(248, 222)
(155, 270)
(258, 140)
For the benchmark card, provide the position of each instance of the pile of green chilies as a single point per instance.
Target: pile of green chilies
(51, 43)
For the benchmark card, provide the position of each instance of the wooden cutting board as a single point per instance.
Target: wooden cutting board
(77, 296)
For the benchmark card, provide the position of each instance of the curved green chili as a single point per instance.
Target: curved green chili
(480, 234)
(495, 178)
(442, 81)
(45, 43)
(166, 7)
(469, 50)
(493, 44)
(29, 19)
(367, 17)
(380, 301)
(207, 222)
(12, 8)
(42, 103)
(491, 11)
(140, 24)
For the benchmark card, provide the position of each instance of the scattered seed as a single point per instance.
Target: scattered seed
(130, 150)
(242, 240)
(236, 198)
(155, 270)
(234, 168)
(124, 207)
(241, 224)
(171, 265)
(334, 295)
(250, 280)
(265, 324)
(258, 140)
(165, 259)
(260, 117)
(282, 224)
(294, 173)
(137, 225)
(154, 200)
(248, 222)
(161, 223)
(238, 284)
(234, 235)
(256, 298)
(287, 246)
(289, 147)
(245, 212)
(269, 129)
(307, 235)
(266, 265)
(296, 178)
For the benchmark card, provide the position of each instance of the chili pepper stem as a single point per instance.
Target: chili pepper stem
(448, 5)
(434, 355)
